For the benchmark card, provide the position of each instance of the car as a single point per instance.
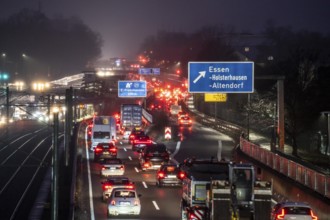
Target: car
(115, 182)
(140, 142)
(153, 156)
(181, 113)
(184, 121)
(169, 174)
(124, 201)
(112, 167)
(293, 210)
(126, 133)
(105, 150)
(134, 133)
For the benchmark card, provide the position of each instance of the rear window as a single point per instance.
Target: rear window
(113, 161)
(118, 181)
(158, 148)
(297, 210)
(171, 169)
(127, 194)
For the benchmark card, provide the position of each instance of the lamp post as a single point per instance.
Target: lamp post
(54, 210)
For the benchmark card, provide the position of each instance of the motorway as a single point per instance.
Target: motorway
(162, 203)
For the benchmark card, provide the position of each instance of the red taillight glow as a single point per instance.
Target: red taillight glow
(103, 168)
(146, 165)
(106, 187)
(280, 215)
(113, 202)
(113, 150)
(161, 175)
(314, 217)
(98, 149)
(182, 175)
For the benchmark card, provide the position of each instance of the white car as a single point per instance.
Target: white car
(126, 134)
(293, 210)
(112, 167)
(124, 202)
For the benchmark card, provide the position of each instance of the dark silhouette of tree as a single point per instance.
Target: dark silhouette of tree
(53, 47)
(298, 56)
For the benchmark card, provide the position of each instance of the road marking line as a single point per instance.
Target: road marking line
(125, 149)
(155, 204)
(136, 169)
(90, 184)
(144, 184)
(129, 157)
(177, 148)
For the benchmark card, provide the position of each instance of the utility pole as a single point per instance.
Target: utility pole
(54, 210)
(7, 106)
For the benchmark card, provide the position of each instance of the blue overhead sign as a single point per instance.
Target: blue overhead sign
(149, 71)
(223, 77)
(132, 89)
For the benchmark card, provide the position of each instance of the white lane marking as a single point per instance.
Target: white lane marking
(125, 149)
(91, 205)
(144, 184)
(155, 204)
(177, 148)
(129, 157)
(136, 169)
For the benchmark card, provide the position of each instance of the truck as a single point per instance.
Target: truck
(222, 190)
(103, 130)
(131, 115)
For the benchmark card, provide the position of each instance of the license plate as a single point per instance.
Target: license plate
(124, 203)
(105, 152)
(171, 176)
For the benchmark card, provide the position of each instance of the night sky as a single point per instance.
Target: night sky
(124, 24)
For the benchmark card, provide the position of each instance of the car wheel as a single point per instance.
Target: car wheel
(160, 184)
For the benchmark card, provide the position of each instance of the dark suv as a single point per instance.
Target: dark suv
(153, 156)
(105, 150)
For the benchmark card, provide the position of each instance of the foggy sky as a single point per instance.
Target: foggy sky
(124, 24)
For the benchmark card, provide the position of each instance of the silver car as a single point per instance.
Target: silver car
(124, 202)
(112, 167)
(293, 210)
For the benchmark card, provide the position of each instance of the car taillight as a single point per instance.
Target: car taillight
(192, 216)
(103, 167)
(146, 164)
(98, 149)
(280, 215)
(131, 136)
(149, 141)
(161, 175)
(113, 150)
(136, 202)
(130, 186)
(106, 187)
(314, 217)
(113, 202)
(121, 167)
(181, 175)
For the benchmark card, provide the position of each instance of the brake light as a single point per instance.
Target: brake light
(280, 215)
(136, 202)
(161, 175)
(314, 217)
(106, 187)
(121, 167)
(181, 175)
(103, 167)
(146, 165)
(130, 186)
(113, 202)
(192, 216)
(98, 149)
(113, 150)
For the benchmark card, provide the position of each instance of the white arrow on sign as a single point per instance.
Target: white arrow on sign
(201, 74)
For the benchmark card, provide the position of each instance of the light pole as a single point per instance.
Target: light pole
(54, 210)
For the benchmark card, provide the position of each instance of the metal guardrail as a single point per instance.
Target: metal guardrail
(317, 181)
(310, 178)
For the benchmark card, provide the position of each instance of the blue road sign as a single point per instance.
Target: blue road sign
(149, 71)
(132, 89)
(221, 77)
